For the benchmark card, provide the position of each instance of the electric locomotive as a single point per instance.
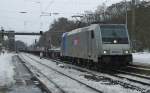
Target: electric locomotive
(98, 43)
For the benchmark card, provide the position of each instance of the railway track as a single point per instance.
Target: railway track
(138, 71)
(113, 73)
(129, 76)
(81, 83)
(131, 73)
(125, 84)
(138, 65)
(40, 74)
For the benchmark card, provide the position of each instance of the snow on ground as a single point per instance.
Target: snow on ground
(6, 70)
(80, 76)
(141, 57)
(67, 84)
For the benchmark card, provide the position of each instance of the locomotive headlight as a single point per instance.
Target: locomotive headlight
(126, 51)
(105, 52)
(115, 41)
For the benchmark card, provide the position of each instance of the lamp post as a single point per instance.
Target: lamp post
(134, 24)
(1, 38)
(126, 12)
(24, 12)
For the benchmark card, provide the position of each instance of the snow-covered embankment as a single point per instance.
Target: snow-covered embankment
(6, 70)
(141, 58)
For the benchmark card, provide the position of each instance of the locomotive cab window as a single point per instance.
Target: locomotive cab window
(114, 34)
(92, 34)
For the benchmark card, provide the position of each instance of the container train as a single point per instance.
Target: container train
(97, 44)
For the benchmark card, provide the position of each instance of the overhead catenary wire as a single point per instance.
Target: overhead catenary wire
(50, 3)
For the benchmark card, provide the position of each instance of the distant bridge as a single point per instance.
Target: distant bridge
(21, 33)
(11, 37)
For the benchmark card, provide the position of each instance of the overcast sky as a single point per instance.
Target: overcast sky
(12, 19)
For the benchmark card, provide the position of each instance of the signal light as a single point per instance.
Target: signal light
(41, 32)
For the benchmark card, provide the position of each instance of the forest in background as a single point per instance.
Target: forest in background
(116, 13)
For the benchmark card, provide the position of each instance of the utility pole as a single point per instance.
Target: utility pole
(1, 38)
(133, 15)
(133, 24)
(126, 13)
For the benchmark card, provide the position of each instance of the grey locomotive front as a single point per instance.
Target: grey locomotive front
(115, 44)
(98, 42)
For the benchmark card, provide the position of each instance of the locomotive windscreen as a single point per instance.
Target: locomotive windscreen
(114, 34)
